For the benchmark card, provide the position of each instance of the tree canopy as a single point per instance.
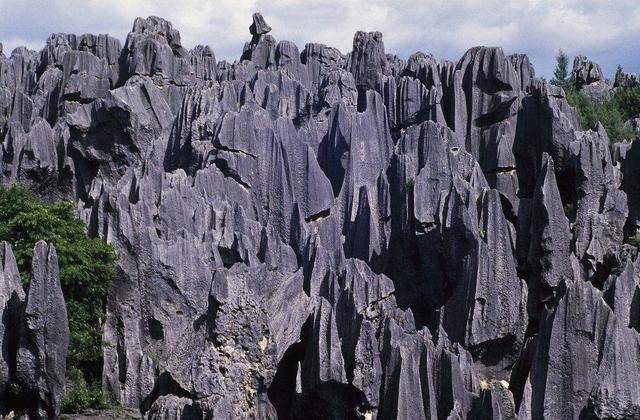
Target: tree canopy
(87, 268)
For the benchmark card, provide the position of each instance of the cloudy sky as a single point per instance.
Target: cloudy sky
(608, 31)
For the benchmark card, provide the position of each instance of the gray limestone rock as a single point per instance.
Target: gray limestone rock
(585, 72)
(584, 332)
(550, 237)
(259, 25)
(524, 68)
(307, 234)
(153, 48)
(367, 61)
(11, 310)
(44, 337)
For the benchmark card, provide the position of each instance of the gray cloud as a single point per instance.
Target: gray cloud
(604, 30)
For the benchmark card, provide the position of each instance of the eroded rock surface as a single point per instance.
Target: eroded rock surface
(310, 233)
(34, 335)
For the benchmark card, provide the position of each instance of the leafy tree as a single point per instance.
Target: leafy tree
(561, 72)
(87, 267)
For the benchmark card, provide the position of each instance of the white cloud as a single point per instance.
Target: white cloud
(604, 30)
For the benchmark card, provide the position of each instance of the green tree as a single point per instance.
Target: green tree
(619, 74)
(628, 101)
(561, 72)
(87, 268)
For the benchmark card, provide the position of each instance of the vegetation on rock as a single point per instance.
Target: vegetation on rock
(613, 113)
(87, 267)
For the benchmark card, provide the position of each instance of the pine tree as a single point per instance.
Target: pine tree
(561, 71)
(619, 76)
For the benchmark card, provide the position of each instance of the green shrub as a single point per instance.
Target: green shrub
(81, 395)
(622, 106)
(610, 113)
(628, 101)
(87, 267)
(634, 240)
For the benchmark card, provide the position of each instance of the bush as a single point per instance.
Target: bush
(628, 101)
(624, 105)
(87, 267)
(610, 113)
(634, 240)
(81, 396)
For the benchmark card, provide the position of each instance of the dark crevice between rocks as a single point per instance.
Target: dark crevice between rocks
(362, 99)
(156, 329)
(634, 315)
(419, 117)
(85, 172)
(491, 86)
(491, 352)
(76, 97)
(333, 153)
(230, 256)
(318, 216)
(210, 318)
(296, 233)
(482, 407)
(282, 391)
(230, 150)
(446, 398)
(520, 370)
(121, 354)
(609, 266)
(508, 211)
(11, 319)
(540, 355)
(349, 323)
(360, 229)
(164, 385)
(134, 191)
(498, 114)
(413, 281)
(328, 400)
(566, 180)
(223, 166)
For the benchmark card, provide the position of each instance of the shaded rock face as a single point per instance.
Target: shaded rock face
(12, 299)
(306, 233)
(35, 335)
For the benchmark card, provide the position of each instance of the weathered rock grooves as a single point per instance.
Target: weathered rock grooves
(305, 233)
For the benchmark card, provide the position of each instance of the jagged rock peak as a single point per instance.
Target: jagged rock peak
(368, 59)
(259, 25)
(154, 25)
(585, 71)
